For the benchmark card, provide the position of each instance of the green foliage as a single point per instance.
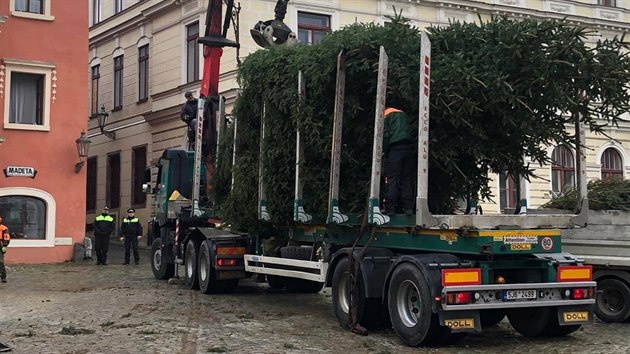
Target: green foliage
(607, 194)
(501, 90)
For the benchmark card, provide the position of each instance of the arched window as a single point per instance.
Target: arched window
(612, 164)
(562, 169)
(25, 216)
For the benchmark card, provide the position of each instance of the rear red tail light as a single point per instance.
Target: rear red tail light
(226, 262)
(458, 298)
(578, 294)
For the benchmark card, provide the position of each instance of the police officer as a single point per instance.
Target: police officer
(5, 238)
(131, 232)
(103, 228)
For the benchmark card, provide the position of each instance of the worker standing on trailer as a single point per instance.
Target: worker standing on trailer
(189, 116)
(399, 162)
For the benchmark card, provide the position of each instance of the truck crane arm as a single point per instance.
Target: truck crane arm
(274, 32)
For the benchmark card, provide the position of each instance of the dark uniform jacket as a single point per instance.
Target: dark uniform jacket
(131, 227)
(189, 109)
(104, 225)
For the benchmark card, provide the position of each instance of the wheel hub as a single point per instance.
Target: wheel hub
(343, 296)
(408, 303)
(157, 259)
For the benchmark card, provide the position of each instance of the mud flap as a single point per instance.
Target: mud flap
(572, 315)
(461, 321)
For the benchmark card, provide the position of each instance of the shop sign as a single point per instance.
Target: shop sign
(20, 171)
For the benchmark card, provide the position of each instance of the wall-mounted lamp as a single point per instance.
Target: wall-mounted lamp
(102, 122)
(83, 146)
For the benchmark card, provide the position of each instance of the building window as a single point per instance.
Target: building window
(312, 27)
(113, 181)
(612, 164)
(96, 75)
(508, 191)
(90, 188)
(96, 11)
(118, 6)
(192, 52)
(139, 163)
(562, 170)
(609, 3)
(27, 97)
(118, 82)
(32, 6)
(143, 73)
(25, 216)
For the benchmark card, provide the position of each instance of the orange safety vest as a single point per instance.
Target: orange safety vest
(4, 231)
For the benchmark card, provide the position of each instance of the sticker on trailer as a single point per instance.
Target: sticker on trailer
(510, 240)
(575, 316)
(521, 246)
(464, 323)
(546, 243)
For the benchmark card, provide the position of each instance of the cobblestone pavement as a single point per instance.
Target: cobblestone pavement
(83, 308)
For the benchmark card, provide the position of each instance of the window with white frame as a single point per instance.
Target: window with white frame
(608, 3)
(312, 27)
(508, 190)
(34, 9)
(27, 98)
(612, 164)
(118, 6)
(96, 11)
(143, 73)
(562, 170)
(30, 214)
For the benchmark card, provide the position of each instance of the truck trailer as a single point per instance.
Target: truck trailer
(430, 277)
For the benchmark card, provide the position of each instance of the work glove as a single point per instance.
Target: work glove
(4, 249)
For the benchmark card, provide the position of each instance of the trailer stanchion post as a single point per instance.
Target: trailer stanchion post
(299, 214)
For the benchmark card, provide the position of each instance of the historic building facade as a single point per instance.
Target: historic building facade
(143, 57)
(43, 99)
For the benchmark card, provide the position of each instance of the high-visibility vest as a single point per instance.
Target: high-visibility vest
(104, 218)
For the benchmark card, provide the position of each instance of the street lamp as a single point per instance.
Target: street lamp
(83, 146)
(102, 122)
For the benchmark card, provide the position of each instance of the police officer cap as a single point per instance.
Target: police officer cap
(105, 208)
(131, 210)
(188, 94)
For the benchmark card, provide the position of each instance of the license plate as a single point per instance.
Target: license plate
(575, 316)
(509, 295)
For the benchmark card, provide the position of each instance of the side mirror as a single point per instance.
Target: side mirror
(147, 175)
(146, 188)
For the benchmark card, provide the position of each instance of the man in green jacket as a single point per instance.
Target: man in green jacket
(399, 163)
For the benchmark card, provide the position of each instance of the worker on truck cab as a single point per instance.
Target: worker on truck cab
(399, 163)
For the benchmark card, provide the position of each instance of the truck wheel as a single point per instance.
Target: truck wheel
(491, 318)
(613, 301)
(160, 269)
(190, 264)
(300, 285)
(409, 303)
(530, 322)
(371, 313)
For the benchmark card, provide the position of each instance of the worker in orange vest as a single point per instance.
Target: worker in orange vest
(5, 238)
(399, 163)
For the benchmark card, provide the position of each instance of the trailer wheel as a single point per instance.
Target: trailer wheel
(613, 301)
(491, 318)
(276, 282)
(371, 313)
(190, 264)
(539, 322)
(409, 303)
(160, 269)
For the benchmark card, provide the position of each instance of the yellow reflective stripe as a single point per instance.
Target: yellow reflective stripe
(132, 220)
(104, 218)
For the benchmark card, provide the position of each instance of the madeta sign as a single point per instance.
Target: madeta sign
(20, 171)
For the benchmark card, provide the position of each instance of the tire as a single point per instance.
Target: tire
(539, 322)
(190, 264)
(295, 285)
(276, 282)
(371, 313)
(613, 301)
(490, 318)
(160, 269)
(296, 252)
(208, 283)
(409, 303)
